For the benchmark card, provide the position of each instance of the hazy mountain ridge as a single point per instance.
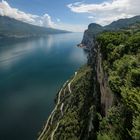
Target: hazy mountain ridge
(123, 23)
(10, 27)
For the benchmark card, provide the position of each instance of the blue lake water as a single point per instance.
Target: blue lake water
(31, 73)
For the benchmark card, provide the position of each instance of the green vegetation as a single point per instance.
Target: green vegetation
(123, 23)
(75, 120)
(73, 124)
(121, 61)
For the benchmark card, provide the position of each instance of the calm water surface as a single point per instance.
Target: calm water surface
(31, 73)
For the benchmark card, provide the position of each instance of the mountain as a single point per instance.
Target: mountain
(101, 101)
(10, 27)
(122, 23)
(95, 29)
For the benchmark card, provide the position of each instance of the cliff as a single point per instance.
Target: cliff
(78, 102)
(102, 100)
(89, 35)
(95, 29)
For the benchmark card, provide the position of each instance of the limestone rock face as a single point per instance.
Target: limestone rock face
(90, 33)
(102, 91)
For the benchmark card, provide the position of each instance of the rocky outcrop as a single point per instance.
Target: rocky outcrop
(94, 29)
(89, 35)
(106, 96)
(102, 91)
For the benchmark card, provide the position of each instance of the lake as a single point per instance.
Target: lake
(31, 73)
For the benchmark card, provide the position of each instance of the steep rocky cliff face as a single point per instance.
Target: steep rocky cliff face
(89, 35)
(106, 95)
(102, 90)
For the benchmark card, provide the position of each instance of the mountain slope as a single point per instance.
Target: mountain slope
(123, 23)
(10, 27)
(94, 29)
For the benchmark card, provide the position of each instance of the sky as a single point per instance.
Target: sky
(72, 15)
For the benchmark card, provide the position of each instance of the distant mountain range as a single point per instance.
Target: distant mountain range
(123, 23)
(10, 27)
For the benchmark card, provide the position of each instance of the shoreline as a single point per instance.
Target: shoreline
(51, 116)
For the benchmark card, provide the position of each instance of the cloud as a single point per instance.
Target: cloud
(90, 17)
(58, 20)
(44, 20)
(107, 11)
(70, 27)
(7, 10)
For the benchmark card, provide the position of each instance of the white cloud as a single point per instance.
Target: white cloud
(44, 20)
(58, 20)
(71, 27)
(108, 11)
(90, 17)
(7, 10)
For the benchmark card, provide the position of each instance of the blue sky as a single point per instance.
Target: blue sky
(55, 8)
(73, 15)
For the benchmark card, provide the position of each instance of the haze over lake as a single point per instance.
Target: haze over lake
(31, 73)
